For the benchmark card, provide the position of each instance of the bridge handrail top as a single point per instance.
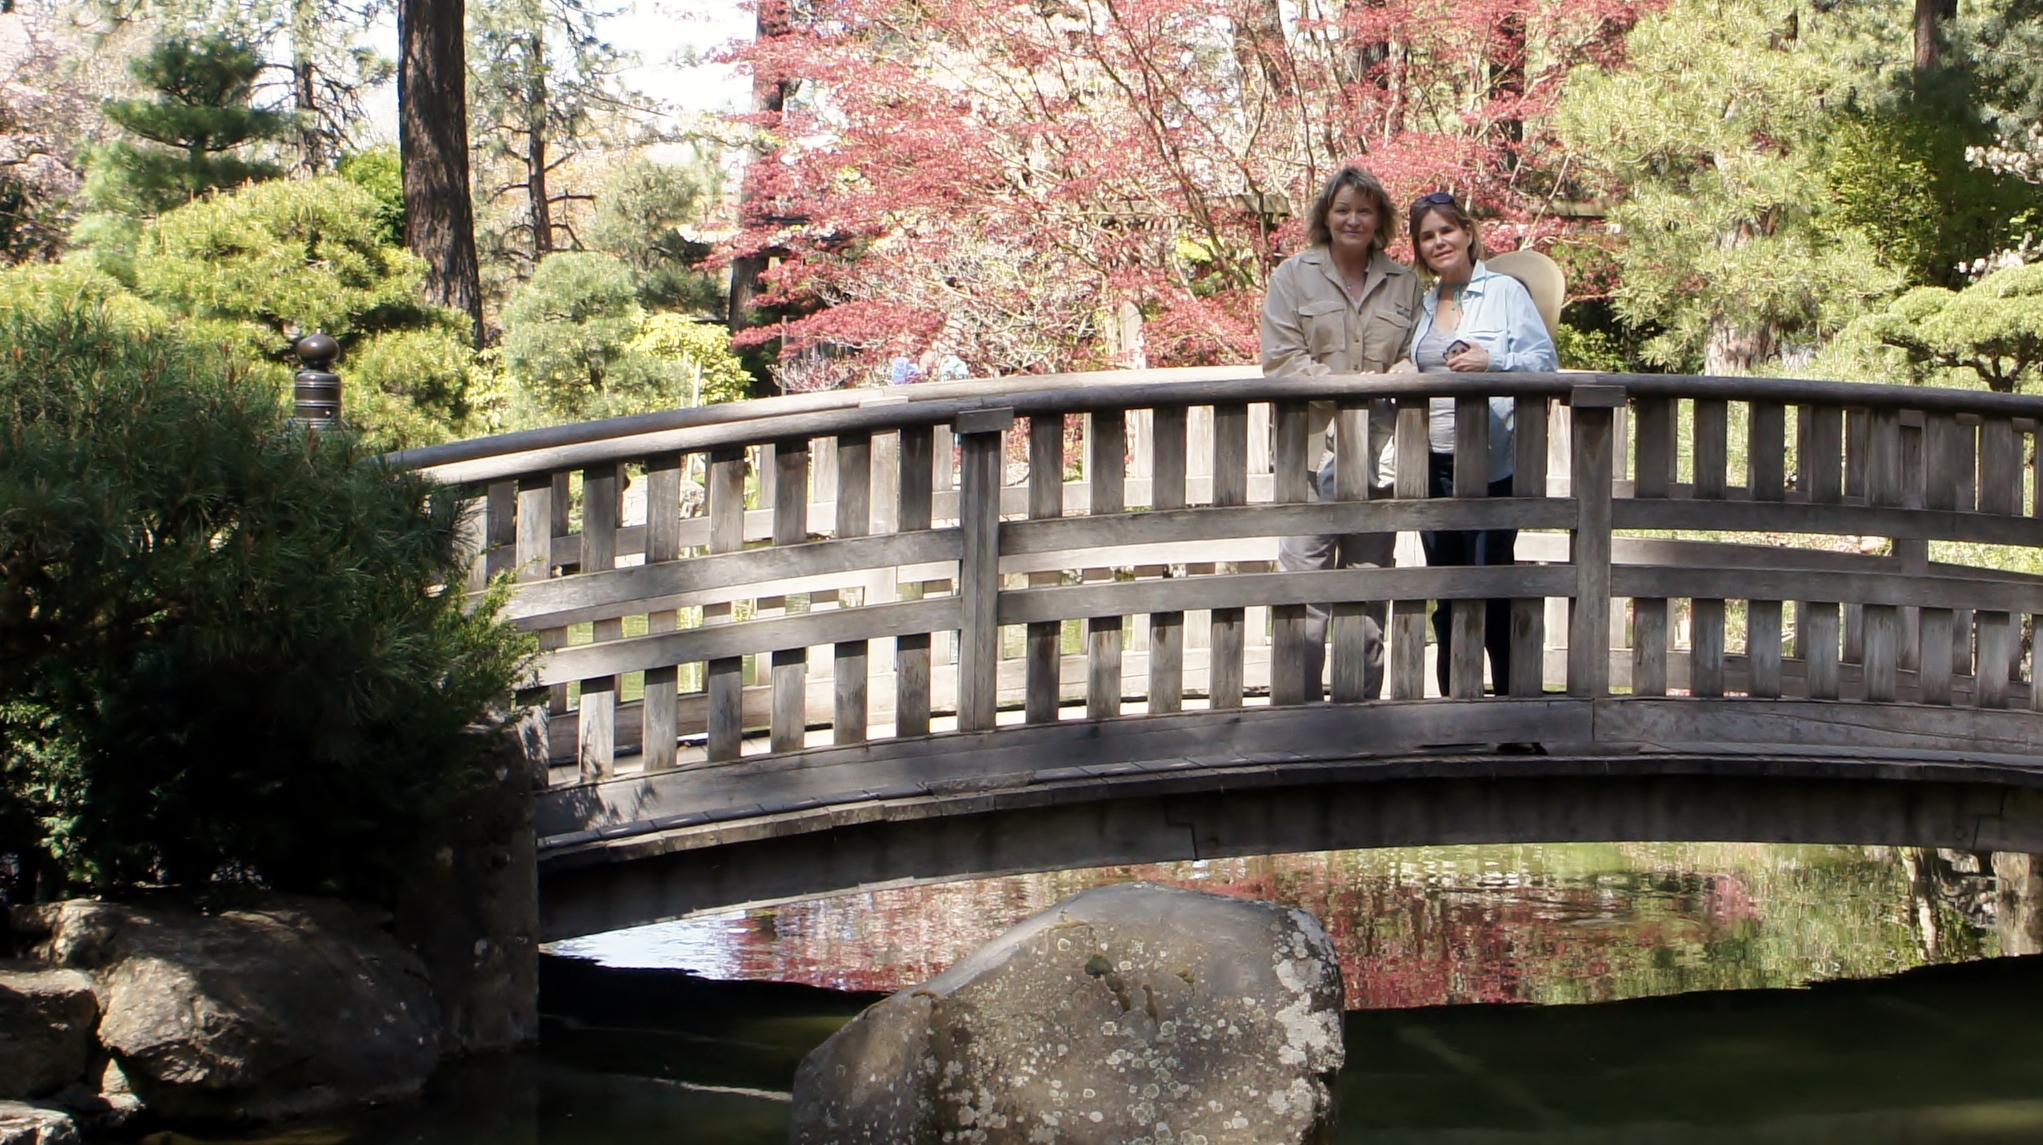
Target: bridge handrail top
(872, 409)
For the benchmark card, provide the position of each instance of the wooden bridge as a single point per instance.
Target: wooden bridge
(809, 644)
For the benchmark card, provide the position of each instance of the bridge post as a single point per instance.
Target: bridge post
(1589, 545)
(981, 432)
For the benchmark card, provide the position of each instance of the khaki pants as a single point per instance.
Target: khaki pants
(1330, 551)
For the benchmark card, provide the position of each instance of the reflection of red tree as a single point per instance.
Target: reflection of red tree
(1422, 934)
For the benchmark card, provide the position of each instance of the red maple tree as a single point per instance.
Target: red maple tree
(1002, 183)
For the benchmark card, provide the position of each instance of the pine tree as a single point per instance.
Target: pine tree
(194, 136)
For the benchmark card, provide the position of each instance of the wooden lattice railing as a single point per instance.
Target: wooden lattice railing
(834, 568)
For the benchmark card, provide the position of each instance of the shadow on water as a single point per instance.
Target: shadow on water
(1947, 1053)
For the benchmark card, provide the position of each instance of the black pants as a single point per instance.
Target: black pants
(1475, 547)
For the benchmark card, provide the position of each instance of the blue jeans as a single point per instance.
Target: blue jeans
(1471, 547)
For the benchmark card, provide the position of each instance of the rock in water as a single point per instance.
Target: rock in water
(1127, 1015)
(46, 1023)
(248, 1015)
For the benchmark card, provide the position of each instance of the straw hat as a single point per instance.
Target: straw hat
(1542, 278)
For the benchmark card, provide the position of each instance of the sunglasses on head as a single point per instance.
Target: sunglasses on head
(1436, 199)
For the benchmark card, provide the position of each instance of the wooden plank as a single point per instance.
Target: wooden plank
(1178, 526)
(1351, 624)
(1712, 448)
(1857, 435)
(2000, 467)
(602, 493)
(1230, 488)
(1830, 520)
(723, 677)
(1763, 647)
(1408, 615)
(1120, 598)
(790, 527)
(1706, 647)
(1289, 656)
(1996, 635)
(1933, 590)
(1818, 644)
(1046, 501)
(1933, 678)
(501, 539)
(1167, 629)
(1882, 648)
(1649, 646)
(851, 667)
(661, 720)
(534, 562)
(912, 650)
(1589, 549)
(1106, 472)
(1766, 450)
(1528, 613)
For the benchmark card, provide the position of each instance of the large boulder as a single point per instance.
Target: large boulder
(1127, 1014)
(33, 1125)
(46, 1023)
(248, 1015)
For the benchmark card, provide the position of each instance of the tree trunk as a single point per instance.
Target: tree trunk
(432, 134)
(535, 152)
(769, 95)
(312, 157)
(1929, 33)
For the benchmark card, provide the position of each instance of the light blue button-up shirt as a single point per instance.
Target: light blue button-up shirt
(1497, 314)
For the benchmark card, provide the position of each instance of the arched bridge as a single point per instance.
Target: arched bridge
(820, 642)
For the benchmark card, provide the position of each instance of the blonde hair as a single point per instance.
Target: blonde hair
(1316, 231)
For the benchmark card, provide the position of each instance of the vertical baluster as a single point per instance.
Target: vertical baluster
(2000, 491)
(1230, 487)
(724, 678)
(1289, 657)
(500, 542)
(1352, 622)
(557, 700)
(1105, 473)
(1766, 467)
(1857, 443)
(1589, 548)
(852, 661)
(1706, 614)
(597, 741)
(1167, 629)
(916, 511)
(1043, 680)
(1882, 651)
(1823, 474)
(533, 560)
(2036, 640)
(943, 458)
(1652, 479)
(1912, 552)
(982, 434)
(1528, 614)
(1471, 479)
(1941, 460)
(790, 527)
(1408, 617)
(660, 712)
(1966, 431)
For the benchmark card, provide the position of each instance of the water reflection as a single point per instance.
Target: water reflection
(1443, 925)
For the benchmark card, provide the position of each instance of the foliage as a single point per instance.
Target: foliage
(700, 368)
(227, 651)
(639, 217)
(45, 121)
(1992, 329)
(380, 172)
(1021, 170)
(194, 132)
(274, 262)
(1712, 134)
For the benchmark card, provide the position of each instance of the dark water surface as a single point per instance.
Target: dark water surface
(1721, 1004)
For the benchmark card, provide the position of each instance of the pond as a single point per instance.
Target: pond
(1685, 993)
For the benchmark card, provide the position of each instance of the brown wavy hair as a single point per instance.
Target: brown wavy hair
(1447, 205)
(1316, 231)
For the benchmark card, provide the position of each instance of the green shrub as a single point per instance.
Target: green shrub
(228, 651)
(697, 365)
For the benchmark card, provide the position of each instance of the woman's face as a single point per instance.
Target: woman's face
(1352, 221)
(1444, 246)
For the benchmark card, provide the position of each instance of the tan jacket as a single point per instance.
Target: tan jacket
(1311, 326)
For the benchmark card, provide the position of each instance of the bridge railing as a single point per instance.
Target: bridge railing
(833, 568)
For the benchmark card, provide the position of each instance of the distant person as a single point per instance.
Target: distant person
(1472, 320)
(1342, 306)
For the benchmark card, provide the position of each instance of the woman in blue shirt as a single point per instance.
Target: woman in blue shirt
(1471, 320)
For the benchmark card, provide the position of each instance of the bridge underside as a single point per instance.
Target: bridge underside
(641, 849)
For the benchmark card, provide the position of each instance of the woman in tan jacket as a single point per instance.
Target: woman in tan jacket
(1342, 306)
